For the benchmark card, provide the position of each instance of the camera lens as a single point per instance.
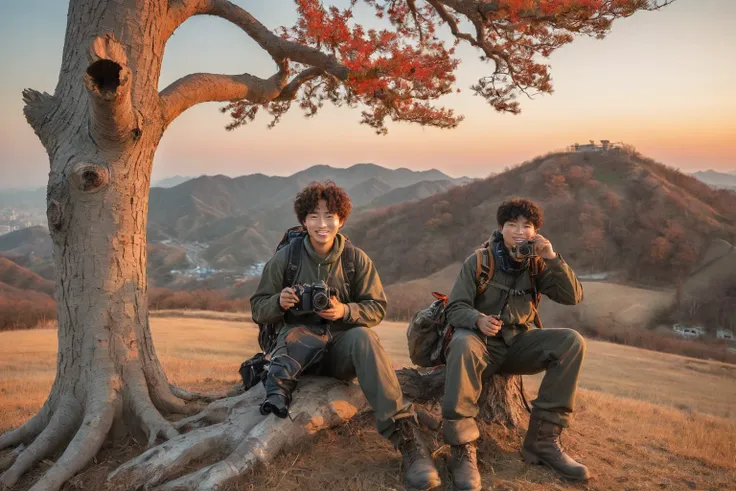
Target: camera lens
(525, 250)
(320, 301)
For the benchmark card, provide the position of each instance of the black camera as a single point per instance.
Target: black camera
(523, 250)
(314, 297)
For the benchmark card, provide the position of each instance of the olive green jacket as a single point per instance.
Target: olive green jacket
(365, 300)
(555, 279)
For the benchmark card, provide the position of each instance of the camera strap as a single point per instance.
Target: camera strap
(347, 259)
(295, 258)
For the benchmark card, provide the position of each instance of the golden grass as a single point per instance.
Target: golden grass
(628, 443)
(204, 354)
(624, 304)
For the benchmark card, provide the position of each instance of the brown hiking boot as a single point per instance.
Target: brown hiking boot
(419, 470)
(542, 446)
(464, 467)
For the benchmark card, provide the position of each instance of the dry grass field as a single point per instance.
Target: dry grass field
(645, 420)
(623, 303)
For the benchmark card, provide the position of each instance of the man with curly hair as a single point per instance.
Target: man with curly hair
(497, 331)
(336, 341)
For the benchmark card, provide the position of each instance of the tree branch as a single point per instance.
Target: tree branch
(289, 92)
(277, 47)
(38, 109)
(109, 80)
(206, 87)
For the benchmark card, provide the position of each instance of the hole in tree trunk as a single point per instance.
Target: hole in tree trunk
(105, 74)
(90, 179)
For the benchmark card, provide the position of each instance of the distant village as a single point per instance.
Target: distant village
(12, 219)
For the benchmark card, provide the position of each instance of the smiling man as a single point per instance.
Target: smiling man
(497, 332)
(333, 338)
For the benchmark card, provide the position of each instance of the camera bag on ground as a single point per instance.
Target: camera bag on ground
(429, 333)
(254, 369)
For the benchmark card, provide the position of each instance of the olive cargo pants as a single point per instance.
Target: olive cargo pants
(357, 352)
(471, 359)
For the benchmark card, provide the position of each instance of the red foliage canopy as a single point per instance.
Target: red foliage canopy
(400, 70)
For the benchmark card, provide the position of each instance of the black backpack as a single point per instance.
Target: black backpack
(254, 368)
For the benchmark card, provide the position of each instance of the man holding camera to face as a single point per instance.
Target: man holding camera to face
(497, 331)
(336, 296)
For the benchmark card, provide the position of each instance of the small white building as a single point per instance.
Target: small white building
(690, 332)
(725, 334)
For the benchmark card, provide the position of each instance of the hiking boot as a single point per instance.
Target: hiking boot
(276, 404)
(419, 470)
(463, 466)
(542, 446)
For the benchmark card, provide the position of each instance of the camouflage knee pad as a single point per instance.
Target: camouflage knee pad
(303, 347)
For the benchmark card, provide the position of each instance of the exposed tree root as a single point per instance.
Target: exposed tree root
(242, 435)
(220, 410)
(28, 431)
(58, 432)
(229, 437)
(52, 429)
(192, 396)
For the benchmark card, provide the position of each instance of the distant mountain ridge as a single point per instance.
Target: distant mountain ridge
(420, 190)
(170, 182)
(221, 223)
(723, 180)
(194, 209)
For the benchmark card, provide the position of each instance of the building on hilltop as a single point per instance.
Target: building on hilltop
(604, 146)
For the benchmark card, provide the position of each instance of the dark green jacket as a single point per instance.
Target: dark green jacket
(556, 280)
(365, 301)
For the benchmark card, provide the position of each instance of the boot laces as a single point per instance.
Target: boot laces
(555, 436)
(464, 452)
(410, 447)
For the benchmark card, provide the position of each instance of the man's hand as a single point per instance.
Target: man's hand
(335, 312)
(489, 324)
(544, 248)
(288, 298)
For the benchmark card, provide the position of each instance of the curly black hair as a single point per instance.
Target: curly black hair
(520, 207)
(307, 200)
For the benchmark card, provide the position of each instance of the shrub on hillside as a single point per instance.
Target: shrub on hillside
(165, 299)
(23, 309)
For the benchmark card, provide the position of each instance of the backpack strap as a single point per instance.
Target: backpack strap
(484, 266)
(295, 258)
(347, 259)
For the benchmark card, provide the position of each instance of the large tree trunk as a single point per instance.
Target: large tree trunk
(100, 129)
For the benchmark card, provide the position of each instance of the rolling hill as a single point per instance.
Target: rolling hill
(608, 211)
(31, 240)
(13, 275)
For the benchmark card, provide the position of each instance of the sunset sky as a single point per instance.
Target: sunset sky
(662, 81)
